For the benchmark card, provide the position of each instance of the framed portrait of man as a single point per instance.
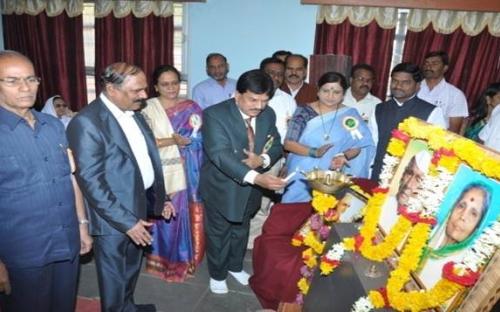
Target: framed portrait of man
(350, 206)
(405, 183)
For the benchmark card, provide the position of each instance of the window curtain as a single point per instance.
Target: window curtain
(55, 46)
(474, 60)
(366, 34)
(145, 41)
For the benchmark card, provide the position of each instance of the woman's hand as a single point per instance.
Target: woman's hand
(338, 162)
(180, 140)
(168, 210)
(322, 150)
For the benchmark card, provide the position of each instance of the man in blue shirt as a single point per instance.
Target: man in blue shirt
(42, 223)
(218, 87)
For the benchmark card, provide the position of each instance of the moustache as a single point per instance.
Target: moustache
(142, 103)
(293, 75)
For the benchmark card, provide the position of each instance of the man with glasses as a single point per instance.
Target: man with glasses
(42, 217)
(358, 95)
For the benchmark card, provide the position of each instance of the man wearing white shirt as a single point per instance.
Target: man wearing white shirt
(405, 82)
(119, 172)
(358, 95)
(436, 90)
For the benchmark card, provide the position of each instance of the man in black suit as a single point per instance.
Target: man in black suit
(119, 171)
(240, 141)
(405, 83)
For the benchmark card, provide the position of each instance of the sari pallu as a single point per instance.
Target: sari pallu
(342, 137)
(178, 243)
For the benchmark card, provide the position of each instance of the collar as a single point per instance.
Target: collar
(349, 94)
(215, 82)
(495, 111)
(402, 103)
(115, 111)
(12, 120)
(441, 84)
(291, 90)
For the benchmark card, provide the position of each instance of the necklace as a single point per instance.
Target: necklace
(326, 135)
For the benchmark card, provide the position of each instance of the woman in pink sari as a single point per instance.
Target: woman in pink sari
(178, 244)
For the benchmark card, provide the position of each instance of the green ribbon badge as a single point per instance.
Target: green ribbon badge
(351, 124)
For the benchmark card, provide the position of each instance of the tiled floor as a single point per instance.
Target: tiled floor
(192, 295)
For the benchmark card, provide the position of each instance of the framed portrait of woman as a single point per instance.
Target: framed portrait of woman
(471, 204)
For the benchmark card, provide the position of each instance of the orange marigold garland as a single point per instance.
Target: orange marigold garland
(450, 151)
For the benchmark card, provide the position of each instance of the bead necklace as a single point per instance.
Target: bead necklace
(326, 135)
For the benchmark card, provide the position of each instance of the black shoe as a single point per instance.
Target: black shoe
(146, 307)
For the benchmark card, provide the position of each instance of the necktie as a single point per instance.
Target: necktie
(250, 135)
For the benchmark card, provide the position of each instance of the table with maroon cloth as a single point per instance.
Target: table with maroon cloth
(276, 263)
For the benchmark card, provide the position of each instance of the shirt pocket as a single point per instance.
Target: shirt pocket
(60, 162)
(16, 174)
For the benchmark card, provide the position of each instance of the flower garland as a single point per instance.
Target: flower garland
(364, 241)
(313, 234)
(449, 151)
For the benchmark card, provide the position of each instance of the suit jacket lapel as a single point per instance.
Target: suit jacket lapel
(238, 124)
(115, 132)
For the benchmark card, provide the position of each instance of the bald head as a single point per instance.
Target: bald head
(6, 55)
(18, 83)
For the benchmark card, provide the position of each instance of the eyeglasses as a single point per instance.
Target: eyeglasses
(17, 81)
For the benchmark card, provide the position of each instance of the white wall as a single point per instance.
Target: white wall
(246, 32)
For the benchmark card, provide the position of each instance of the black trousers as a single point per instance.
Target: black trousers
(118, 263)
(226, 240)
(51, 287)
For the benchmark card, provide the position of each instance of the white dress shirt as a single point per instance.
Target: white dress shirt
(135, 139)
(365, 107)
(284, 106)
(490, 134)
(293, 93)
(449, 98)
